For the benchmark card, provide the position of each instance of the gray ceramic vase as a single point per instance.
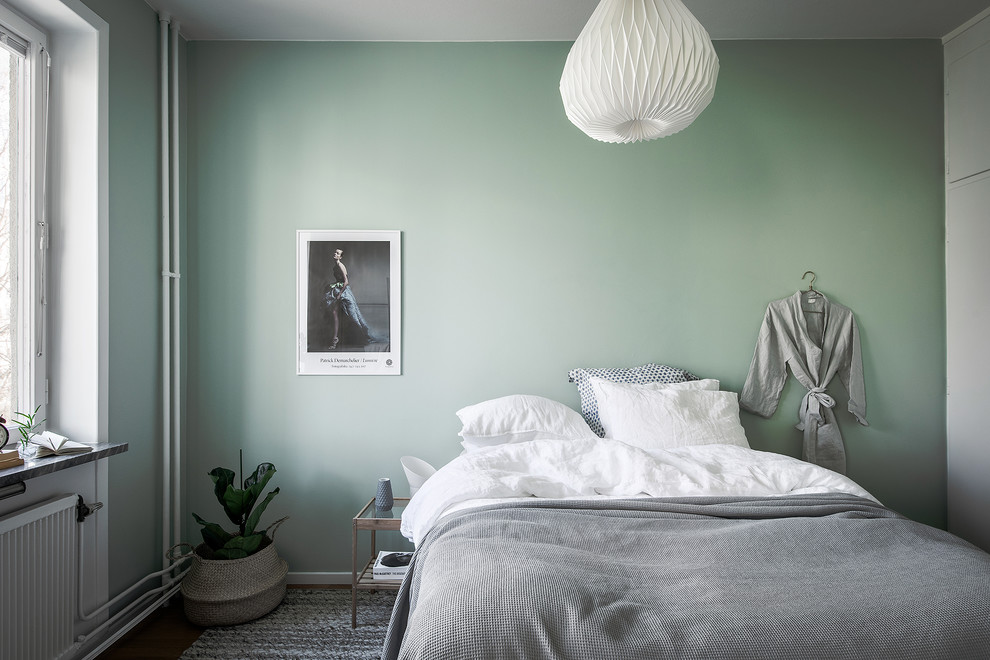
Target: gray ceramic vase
(383, 495)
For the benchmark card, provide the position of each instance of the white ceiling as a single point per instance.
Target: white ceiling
(553, 20)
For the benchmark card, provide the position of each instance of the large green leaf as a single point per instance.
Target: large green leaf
(222, 477)
(223, 481)
(240, 546)
(237, 503)
(214, 535)
(252, 521)
(254, 485)
(262, 474)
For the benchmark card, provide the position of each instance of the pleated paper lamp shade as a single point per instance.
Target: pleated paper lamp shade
(639, 70)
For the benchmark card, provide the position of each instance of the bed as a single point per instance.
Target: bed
(545, 540)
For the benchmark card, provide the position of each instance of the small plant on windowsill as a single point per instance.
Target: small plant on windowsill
(27, 426)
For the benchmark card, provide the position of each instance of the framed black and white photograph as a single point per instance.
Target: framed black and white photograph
(348, 303)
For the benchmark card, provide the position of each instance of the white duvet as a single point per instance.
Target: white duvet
(594, 468)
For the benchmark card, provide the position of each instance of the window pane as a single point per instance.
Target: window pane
(10, 87)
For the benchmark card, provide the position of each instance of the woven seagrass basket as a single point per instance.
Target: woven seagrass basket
(226, 592)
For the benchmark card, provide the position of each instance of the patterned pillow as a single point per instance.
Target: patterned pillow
(648, 373)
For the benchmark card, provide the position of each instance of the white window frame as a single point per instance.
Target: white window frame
(31, 359)
(77, 322)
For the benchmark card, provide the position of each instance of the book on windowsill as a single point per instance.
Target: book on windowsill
(9, 459)
(53, 444)
(382, 571)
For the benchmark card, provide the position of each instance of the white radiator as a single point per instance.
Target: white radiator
(38, 578)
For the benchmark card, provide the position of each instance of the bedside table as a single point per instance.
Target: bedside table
(366, 520)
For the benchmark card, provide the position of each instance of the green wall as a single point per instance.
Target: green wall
(530, 249)
(135, 291)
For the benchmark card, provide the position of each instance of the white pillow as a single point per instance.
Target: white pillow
(518, 418)
(667, 418)
(602, 388)
(702, 384)
(647, 373)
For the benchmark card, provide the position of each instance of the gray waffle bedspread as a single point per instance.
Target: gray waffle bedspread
(797, 577)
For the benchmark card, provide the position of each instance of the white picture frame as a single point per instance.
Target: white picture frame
(348, 310)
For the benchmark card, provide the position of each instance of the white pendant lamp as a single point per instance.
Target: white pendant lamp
(639, 70)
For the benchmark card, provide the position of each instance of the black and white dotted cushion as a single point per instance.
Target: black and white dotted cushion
(647, 373)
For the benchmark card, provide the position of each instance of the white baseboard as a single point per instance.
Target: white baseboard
(318, 578)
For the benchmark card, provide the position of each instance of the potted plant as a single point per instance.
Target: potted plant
(237, 576)
(27, 426)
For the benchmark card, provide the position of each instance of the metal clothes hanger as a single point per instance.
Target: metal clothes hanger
(812, 290)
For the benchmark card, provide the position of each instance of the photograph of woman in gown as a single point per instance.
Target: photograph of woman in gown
(348, 317)
(344, 308)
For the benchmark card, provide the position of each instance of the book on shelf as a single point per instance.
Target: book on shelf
(9, 459)
(53, 444)
(391, 565)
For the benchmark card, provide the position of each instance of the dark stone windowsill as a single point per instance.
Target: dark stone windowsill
(36, 467)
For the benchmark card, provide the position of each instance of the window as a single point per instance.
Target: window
(23, 78)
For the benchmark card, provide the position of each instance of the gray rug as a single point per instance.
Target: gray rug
(310, 623)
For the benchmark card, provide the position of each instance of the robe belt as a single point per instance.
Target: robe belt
(811, 406)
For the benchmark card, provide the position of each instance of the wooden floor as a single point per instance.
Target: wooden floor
(165, 634)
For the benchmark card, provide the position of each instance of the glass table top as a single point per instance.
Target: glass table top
(370, 512)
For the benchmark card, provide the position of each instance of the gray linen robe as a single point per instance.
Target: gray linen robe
(818, 339)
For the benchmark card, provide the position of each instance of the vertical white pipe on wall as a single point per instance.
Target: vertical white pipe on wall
(176, 294)
(163, 20)
(171, 474)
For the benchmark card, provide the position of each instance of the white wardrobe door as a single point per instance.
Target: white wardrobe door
(968, 358)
